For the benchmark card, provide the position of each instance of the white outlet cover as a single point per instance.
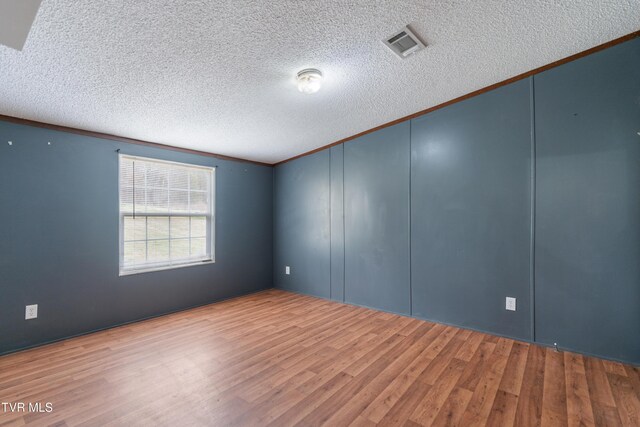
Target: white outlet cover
(31, 312)
(287, 270)
(510, 304)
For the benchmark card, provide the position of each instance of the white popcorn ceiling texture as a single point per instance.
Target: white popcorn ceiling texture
(218, 76)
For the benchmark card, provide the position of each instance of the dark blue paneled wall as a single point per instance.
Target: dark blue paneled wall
(471, 211)
(59, 238)
(337, 222)
(541, 176)
(376, 220)
(302, 225)
(588, 204)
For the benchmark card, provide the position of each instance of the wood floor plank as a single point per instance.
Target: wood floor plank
(382, 403)
(474, 368)
(602, 401)
(454, 407)
(479, 408)
(633, 373)
(514, 371)
(405, 405)
(312, 401)
(345, 397)
(599, 387)
(529, 409)
(282, 359)
(554, 396)
(358, 403)
(503, 412)
(614, 367)
(471, 346)
(434, 400)
(627, 400)
(579, 409)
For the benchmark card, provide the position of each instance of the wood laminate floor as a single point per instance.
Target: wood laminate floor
(277, 358)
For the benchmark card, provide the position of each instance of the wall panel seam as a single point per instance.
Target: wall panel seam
(344, 236)
(532, 278)
(330, 224)
(410, 196)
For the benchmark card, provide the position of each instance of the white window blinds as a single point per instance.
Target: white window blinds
(166, 214)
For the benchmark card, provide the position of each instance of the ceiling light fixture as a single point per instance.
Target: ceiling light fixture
(309, 80)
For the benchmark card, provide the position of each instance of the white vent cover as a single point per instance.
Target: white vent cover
(404, 43)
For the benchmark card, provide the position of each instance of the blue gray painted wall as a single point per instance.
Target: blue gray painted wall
(471, 212)
(587, 286)
(376, 220)
(302, 225)
(337, 222)
(531, 191)
(59, 238)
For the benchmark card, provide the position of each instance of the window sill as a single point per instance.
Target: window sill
(130, 272)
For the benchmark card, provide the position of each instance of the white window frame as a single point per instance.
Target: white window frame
(168, 265)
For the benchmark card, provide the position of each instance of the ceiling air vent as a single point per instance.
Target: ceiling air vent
(404, 43)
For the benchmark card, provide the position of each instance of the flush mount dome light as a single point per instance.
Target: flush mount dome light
(309, 80)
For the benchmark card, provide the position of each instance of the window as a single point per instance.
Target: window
(166, 214)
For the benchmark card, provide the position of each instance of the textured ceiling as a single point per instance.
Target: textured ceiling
(218, 76)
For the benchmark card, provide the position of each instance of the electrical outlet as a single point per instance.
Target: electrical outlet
(510, 304)
(31, 312)
(287, 270)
